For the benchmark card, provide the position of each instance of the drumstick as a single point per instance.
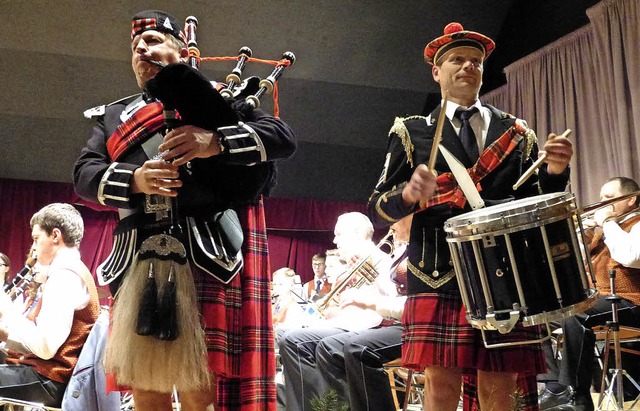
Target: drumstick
(536, 165)
(437, 138)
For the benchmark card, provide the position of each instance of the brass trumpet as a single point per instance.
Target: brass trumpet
(364, 272)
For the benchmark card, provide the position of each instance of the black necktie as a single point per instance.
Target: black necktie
(318, 286)
(467, 136)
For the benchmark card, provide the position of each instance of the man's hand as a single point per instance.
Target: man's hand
(605, 214)
(156, 177)
(185, 143)
(420, 187)
(559, 151)
(355, 297)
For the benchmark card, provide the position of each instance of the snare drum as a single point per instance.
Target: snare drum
(520, 261)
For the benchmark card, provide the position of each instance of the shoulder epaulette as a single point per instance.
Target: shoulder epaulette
(100, 110)
(529, 134)
(400, 129)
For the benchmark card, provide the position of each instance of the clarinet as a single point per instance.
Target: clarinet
(266, 85)
(23, 274)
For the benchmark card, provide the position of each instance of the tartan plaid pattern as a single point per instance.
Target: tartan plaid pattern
(436, 333)
(455, 33)
(141, 125)
(237, 323)
(151, 23)
(139, 25)
(448, 190)
(527, 390)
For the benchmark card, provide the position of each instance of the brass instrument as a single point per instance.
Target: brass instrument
(364, 272)
(589, 210)
(592, 208)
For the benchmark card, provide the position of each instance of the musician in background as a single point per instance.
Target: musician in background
(299, 347)
(5, 269)
(205, 172)
(318, 286)
(334, 265)
(287, 310)
(352, 362)
(614, 244)
(44, 344)
(496, 148)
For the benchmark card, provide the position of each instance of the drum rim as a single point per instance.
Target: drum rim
(460, 238)
(564, 312)
(545, 316)
(530, 215)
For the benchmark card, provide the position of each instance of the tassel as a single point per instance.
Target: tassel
(167, 321)
(148, 306)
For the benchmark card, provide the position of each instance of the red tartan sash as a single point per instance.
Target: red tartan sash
(143, 124)
(448, 190)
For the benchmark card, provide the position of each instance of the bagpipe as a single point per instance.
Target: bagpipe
(188, 97)
(156, 320)
(183, 88)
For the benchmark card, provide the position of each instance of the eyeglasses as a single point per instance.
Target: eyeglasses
(317, 264)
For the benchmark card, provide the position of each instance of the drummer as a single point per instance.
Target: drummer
(437, 337)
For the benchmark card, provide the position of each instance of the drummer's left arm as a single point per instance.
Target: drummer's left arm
(386, 205)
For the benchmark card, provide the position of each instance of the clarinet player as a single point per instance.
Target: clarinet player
(203, 172)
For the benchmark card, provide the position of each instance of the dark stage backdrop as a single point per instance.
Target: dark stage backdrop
(296, 228)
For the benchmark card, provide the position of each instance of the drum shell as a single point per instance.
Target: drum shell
(521, 256)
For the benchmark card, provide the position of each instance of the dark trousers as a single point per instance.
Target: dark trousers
(21, 382)
(315, 360)
(352, 364)
(576, 367)
(302, 379)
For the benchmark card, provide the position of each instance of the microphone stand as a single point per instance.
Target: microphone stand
(617, 374)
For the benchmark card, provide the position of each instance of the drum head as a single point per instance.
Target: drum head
(519, 214)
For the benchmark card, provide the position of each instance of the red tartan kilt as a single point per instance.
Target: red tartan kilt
(436, 333)
(237, 323)
(230, 310)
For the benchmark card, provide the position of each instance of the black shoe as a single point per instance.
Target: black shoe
(549, 400)
(578, 403)
(572, 407)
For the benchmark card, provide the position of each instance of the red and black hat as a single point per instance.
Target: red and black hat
(157, 20)
(455, 36)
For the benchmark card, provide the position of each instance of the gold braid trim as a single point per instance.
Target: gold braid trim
(428, 280)
(401, 131)
(529, 135)
(384, 198)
